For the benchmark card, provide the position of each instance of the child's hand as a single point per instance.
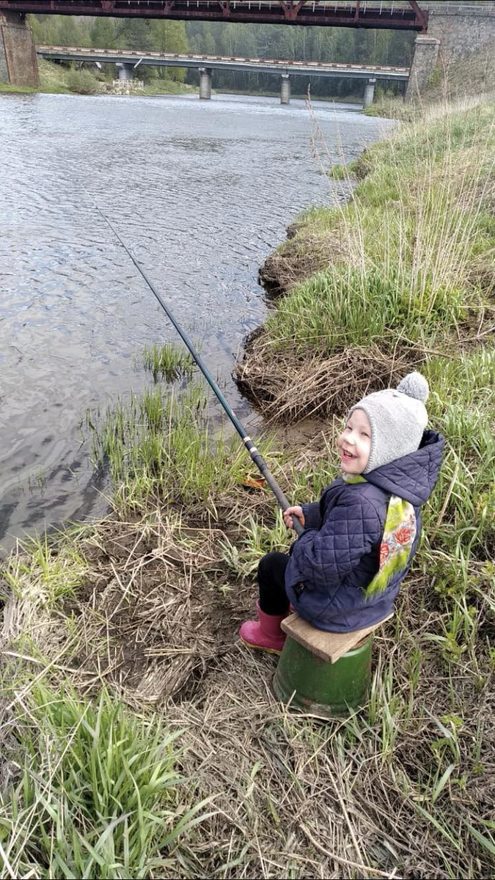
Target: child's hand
(293, 512)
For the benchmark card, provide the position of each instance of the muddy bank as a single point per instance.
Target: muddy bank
(306, 251)
(288, 387)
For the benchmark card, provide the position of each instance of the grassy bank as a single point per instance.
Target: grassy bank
(127, 699)
(406, 267)
(57, 79)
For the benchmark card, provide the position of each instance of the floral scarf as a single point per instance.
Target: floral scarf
(398, 537)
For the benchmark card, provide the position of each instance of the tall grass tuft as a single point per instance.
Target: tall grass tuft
(45, 572)
(94, 790)
(460, 520)
(161, 445)
(168, 362)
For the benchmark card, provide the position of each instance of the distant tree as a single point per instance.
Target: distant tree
(228, 38)
(102, 33)
(134, 33)
(44, 28)
(170, 37)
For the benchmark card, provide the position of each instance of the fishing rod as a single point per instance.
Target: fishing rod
(256, 456)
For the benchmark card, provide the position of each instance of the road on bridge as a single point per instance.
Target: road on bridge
(157, 59)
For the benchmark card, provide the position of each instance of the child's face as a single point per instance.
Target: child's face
(354, 444)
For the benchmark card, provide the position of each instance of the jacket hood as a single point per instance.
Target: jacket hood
(413, 476)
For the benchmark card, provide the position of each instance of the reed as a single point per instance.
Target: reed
(167, 362)
(160, 445)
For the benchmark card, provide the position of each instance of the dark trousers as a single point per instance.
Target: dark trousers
(271, 581)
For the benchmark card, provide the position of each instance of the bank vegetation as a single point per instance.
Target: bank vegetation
(84, 80)
(138, 737)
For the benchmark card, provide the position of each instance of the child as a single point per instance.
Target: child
(344, 571)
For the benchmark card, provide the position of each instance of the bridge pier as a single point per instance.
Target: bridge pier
(369, 92)
(126, 72)
(18, 60)
(285, 89)
(423, 64)
(205, 83)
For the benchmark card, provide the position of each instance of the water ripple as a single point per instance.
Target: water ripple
(200, 191)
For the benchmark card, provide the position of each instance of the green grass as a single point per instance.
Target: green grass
(253, 541)
(168, 87)
(6, 88)
(82, 82)
(167, 362)
(45, 572)
(94, 789)
(407, 242)
(341, 307)
(460, 521)
(60, 79)
(161, 445)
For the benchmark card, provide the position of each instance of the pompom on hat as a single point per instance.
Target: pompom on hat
(397, 418)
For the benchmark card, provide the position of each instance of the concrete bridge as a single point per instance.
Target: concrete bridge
(128, 61)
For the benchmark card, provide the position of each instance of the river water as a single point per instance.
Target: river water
(201, 192)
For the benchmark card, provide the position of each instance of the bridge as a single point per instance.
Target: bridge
(128, 61)
(446, 30)
(395, 14)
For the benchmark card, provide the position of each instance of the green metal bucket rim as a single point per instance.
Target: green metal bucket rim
(327, 712)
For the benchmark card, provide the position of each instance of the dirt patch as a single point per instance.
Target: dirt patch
(287, 388)
(157, 606)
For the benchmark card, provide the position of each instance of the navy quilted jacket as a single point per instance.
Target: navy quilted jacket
(337, 556)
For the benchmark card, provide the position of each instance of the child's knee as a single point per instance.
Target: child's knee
(271, 563)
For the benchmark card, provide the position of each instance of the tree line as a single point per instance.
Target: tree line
(351, 45)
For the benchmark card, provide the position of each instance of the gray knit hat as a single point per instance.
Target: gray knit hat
(397, 419)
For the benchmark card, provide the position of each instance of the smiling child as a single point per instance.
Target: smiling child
(343, 573)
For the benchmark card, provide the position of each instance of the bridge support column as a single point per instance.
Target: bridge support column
(205, 83)
(285, 89)
(423, 64)
(369, 92)
(125, 72)
(18, 61)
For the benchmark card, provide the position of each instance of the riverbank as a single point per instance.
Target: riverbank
(55, 79)
(143, 607)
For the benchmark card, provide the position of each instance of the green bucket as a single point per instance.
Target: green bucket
(321, 687)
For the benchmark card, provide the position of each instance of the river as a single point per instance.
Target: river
(201, 192)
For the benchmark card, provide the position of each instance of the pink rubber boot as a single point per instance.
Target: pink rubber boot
(264, 633)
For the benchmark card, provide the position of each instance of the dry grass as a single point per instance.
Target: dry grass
(288, 388)
(390, 792)
(151, 610)
(300, 798)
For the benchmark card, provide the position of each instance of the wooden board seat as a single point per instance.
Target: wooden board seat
(326, 645)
